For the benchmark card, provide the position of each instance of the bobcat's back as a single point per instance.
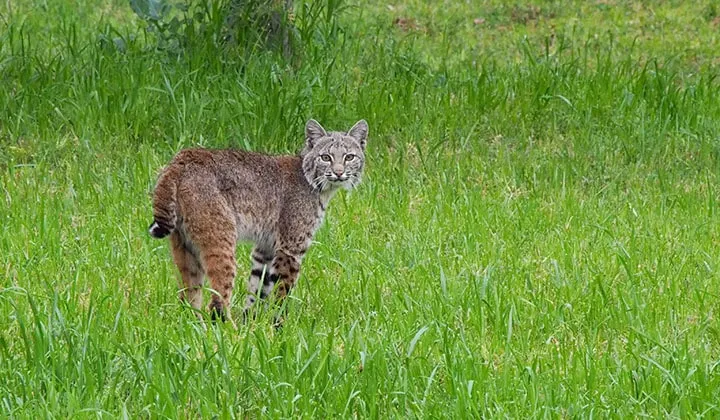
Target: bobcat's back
(249, 185)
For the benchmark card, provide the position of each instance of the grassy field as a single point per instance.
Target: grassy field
(536, 236)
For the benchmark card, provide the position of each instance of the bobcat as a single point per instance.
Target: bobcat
(207, 200)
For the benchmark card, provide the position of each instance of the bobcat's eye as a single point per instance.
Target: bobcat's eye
(349, 157)
(326, 157)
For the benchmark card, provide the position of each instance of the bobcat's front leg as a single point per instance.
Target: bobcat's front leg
(284, 271)
(261, 259)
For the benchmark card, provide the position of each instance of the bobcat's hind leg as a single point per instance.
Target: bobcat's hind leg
(221, 269)
(218, 258)
(210, 225)
(191, 272)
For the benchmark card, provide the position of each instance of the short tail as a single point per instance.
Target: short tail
(164, 204)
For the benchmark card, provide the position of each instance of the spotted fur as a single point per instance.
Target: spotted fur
(208, 200)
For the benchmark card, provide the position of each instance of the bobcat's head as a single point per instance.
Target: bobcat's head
(334, 159)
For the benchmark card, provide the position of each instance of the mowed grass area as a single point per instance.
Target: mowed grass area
(537, 233)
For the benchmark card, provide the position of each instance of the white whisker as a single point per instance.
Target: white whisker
(317, 181)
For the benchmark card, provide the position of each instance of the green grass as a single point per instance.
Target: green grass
(536, 236)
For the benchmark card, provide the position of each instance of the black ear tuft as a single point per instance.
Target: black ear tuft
(313, 131)
(359, 132)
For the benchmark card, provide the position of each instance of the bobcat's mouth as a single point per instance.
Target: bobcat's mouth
(332, 181)
(347, 181)
(337, 179)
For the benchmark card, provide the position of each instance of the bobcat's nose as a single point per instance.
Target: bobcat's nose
(338, 170)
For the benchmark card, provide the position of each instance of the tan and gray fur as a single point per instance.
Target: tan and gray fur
(208, 200)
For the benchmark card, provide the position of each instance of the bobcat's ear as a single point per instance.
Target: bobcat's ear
(313, 131)
(359, 132)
